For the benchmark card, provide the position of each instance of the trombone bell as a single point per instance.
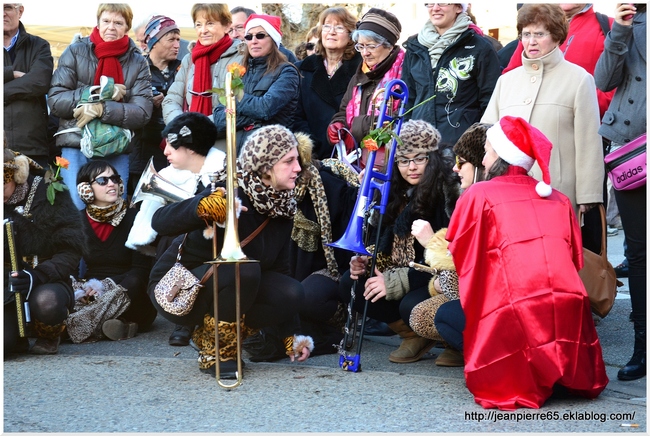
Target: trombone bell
(152, 186)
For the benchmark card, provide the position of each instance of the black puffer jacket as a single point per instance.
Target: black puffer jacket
(24, 98)
(76, 72)
(462, 81)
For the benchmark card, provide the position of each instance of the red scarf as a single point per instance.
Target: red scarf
(108, 52)
(204, 56)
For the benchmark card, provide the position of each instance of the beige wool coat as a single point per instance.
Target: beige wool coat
(559, 98)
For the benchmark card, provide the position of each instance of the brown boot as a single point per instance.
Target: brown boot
(450, 357)
(412, 347)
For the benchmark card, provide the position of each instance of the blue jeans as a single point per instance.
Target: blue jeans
(77, 159)
(450, 322)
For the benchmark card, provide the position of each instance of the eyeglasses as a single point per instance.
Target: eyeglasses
(361, 47)
(310, 46)
(327, 28)
(116, 23)
(525, 36)
(9, 8)
(103, 180)
(460, 163)
(236, 29)
(258, 36)
(418, 160)
(442, 5)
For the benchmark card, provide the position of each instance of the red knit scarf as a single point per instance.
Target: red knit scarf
(204, 56)
(108, 52)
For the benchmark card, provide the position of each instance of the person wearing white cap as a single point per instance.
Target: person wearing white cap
(271, 82)
(517, 248)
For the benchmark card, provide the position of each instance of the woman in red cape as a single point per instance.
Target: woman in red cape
(517, 248)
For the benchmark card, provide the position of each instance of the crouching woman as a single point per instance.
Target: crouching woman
(266, 175)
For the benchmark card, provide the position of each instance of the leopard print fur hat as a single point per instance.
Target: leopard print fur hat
(417, 136)
(265, 147)
(471, 144)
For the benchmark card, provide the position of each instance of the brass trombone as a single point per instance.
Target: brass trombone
(231, 251)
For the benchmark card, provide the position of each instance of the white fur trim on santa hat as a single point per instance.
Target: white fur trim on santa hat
(507, 150)
(273, 33)
(464, 6)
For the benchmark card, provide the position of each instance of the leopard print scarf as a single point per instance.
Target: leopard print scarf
(265, 199)
(108, 214)
(304, 234)
(19, 194)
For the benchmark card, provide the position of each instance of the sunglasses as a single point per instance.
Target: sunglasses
(310, 46)
(103, 180)
(259, 36)
(460, 163)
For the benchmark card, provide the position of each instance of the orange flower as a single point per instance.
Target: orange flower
(236, 70)
(62, 162)
(370, 144)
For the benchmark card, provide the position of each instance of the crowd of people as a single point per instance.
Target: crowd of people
(494, 161)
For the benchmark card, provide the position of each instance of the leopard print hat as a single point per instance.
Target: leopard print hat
(417, 136)
(265, 147)
(471, 144)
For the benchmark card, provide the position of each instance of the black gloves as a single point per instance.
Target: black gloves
(24, 282)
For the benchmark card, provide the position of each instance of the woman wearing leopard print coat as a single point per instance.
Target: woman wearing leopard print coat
(423, 187)
(267, 169)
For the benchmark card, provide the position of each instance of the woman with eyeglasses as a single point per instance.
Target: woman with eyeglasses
(205, 66)
(441, 317)
(423, 187)
(376, 39)
(450, 59)
(271, 82)
(559, 98)
(106, 222)
(126, 103)
(50, 243)
(325, 76)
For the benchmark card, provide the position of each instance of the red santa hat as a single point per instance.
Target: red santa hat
(520, 144)
(270, 23)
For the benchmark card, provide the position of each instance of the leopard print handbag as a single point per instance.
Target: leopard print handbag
(178, 289)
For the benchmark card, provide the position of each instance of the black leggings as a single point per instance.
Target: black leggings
(450, 322)
(49, 303)
(266, 297)
(321, 298)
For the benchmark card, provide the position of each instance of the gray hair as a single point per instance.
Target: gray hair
(378, 39)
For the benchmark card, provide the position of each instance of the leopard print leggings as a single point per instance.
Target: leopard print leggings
(203, 337)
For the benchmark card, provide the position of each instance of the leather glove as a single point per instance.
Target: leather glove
(85, 113)
(333, 131)
(25, 281)
(119, 91)
(213, 207)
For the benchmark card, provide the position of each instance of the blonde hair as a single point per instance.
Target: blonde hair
(215, 11)
(119, 8)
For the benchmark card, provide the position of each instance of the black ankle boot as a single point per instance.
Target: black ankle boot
(635, 368)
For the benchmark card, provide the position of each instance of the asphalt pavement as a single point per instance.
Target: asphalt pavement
(144, 385)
